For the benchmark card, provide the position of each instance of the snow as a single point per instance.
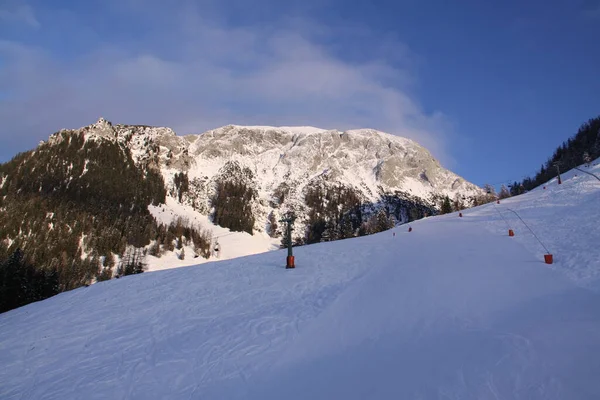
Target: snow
(364, 159)
(563, 217)
(456, 309)
(291, 129)
(85, 167)
(231, 244)
(369, 132)
(278, 155)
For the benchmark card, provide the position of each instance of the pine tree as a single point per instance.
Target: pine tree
(383, 222)
(181, 184)
(11, 293)
(155, 248)
(326, 235)
(105, 274)
(346, 230)
(458, 203)
(446, 206)
(272, 224)
(21, 283)
(597, 145)
(139, 265)
(413, 214)
(587, 159)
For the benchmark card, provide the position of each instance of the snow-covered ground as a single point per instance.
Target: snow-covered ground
(455, 309)
(564, 217)
(230, 244)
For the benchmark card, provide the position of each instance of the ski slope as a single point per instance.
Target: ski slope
(455, 309)
(566, 219)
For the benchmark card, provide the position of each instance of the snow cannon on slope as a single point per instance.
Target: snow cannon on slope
(289, 221)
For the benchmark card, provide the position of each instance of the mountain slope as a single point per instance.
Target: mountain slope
(281, 165)
(231, 244)
(363, 158)
(454, 309)
(72, 204)
(231, 179)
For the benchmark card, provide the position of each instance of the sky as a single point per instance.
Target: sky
(490, 88)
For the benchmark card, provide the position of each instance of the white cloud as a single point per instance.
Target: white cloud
(217, 75)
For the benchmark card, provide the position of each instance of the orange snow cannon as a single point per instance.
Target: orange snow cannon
(290, 262)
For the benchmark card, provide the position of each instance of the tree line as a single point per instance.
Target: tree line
(336, 211)
(235, 192)
(579, 149)
(74, 212)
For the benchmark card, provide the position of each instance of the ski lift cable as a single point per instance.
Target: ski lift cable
(510, 181)
(530, 230)
(589, 173)
(502, 216)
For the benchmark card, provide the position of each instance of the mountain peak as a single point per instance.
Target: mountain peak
(366, 159)
(102, 128)
(364, 134)
(102, 122)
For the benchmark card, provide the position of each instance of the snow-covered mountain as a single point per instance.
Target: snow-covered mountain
(280, 163)
(117, 195)
(455, 309)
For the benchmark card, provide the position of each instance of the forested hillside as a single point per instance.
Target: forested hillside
(74, 211)
(582, 148)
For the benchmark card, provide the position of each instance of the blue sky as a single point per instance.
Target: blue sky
(490, 88)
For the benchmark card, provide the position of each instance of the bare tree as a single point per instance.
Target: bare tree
(504, 192)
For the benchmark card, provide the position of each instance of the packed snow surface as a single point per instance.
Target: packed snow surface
(455, 309)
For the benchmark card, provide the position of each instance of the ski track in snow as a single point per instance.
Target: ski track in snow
(455, 309)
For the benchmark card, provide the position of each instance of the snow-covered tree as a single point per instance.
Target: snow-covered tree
(504, 192)
(272, 228)
(383, 221)
(490, 192)
(458, 202)
(446, 206)
(587, 159)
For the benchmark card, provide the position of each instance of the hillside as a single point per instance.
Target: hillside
(109, 200)
(455, 309)
(580, 148)
(275, 169)
(232, 244)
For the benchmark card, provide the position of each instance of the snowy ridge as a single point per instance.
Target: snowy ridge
(378, 317)
(368, 161)
(364, 158)
(291, 129)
